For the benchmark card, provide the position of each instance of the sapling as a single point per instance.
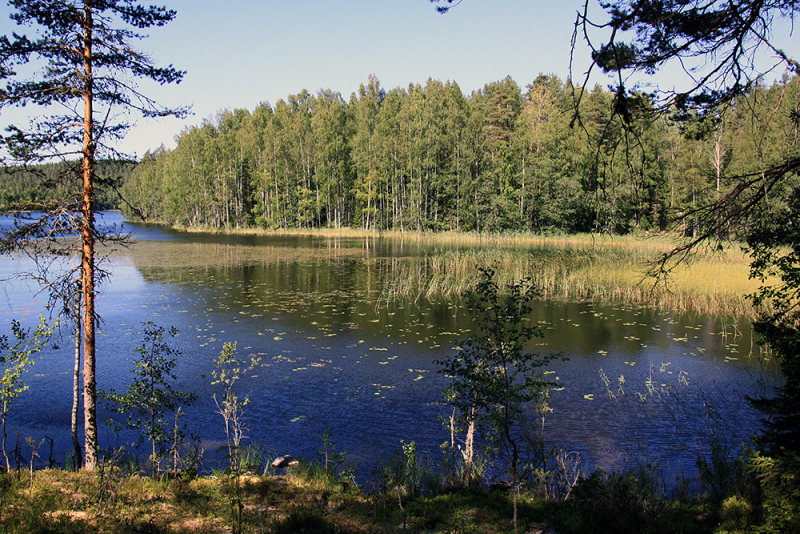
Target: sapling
(228, 370)
(493, 376)
(15, 360)
(151, 398)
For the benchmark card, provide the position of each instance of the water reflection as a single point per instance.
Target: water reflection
(337, 356)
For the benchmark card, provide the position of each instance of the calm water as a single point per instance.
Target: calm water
(335, 357)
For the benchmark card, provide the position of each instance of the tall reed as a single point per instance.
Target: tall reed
(566, 267)
(715, 286)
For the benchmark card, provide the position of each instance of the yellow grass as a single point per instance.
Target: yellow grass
(608, 269)
(716, 286)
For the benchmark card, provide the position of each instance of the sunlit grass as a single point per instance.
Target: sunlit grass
(715, 285)
(597, 268)
(71, 503)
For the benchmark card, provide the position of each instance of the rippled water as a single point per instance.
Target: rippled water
(335, 357)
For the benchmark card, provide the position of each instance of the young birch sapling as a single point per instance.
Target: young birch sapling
(493, 377)
(228, 370)
(15, 360)
(151, 398)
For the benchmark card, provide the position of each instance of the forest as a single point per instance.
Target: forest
(34, 187)
(549, 158)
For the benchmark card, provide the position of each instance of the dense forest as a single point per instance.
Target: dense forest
(36, 186)
(429, 158)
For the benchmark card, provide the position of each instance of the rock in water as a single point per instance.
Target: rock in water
(282, 461)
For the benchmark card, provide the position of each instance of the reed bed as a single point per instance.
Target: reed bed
(583, 267)
(655, 243)
(320, 232)
(715, 286)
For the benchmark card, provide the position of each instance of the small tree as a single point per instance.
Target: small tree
(493, 376)
(151, 397)
(15, 360)
(228, 371)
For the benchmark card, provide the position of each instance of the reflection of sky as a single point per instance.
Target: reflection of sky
(336, 358)
(106, 221)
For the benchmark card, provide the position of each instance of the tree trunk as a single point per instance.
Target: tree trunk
(469, 451)
(87, 237)
(76, 385)
(5, 454)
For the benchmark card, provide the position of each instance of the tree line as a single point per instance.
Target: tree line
(38, 186)
(429, 158)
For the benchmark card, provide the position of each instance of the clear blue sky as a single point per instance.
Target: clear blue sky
(240, 53)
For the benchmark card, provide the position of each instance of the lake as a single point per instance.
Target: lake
(639, 385)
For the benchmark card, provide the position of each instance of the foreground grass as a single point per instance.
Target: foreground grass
(57, 501)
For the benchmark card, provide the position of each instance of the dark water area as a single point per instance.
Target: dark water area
(639, 386)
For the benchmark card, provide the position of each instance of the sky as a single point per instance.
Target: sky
(241, 53)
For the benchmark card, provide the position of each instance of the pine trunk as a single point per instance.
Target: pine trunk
(76, 385)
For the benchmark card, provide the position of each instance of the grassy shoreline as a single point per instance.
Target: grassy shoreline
(584, 267)
(64, 502)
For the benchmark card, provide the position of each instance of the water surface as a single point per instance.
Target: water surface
(639, 386)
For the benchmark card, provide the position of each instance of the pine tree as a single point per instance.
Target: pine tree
(84, 61)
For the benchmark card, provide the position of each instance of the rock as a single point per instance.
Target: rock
(261, 508)
(283, 461)
(500, 487)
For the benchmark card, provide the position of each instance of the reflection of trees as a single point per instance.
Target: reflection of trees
(338, 282)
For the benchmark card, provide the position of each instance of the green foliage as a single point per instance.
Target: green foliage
(493, 376)
(780, 483)
(723, 474)
(151, 398)
(228, 371)
(401, 472)
(47, 183)
(775, 248)
(15, 360)
(735, 514)
(427, 157)
(333, 461)
(304, 520)
(624, 503)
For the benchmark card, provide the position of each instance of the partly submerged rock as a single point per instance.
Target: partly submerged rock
(283, 461)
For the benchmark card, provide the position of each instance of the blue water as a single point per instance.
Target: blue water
(335, 357)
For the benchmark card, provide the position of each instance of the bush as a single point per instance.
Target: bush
(304, 520)
(624, 503)
(779, 478)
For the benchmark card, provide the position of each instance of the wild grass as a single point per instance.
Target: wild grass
(713, 285)
(585, 267)
(407, 494)
(61, 502)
